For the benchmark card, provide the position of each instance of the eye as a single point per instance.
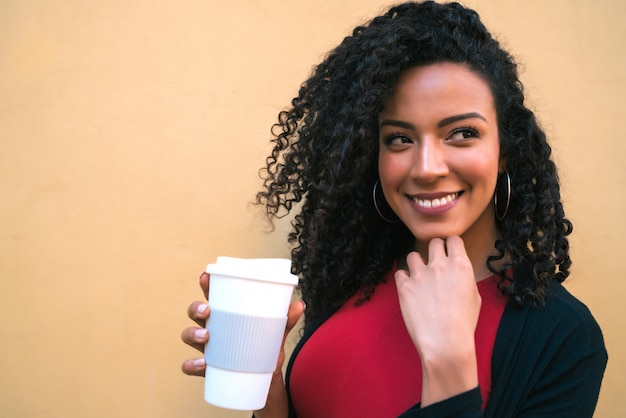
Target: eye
(463, 133)
(397, 139)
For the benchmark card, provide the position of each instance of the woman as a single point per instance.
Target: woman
(431, 242)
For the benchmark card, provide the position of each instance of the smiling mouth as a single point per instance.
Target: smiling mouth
(437, 202)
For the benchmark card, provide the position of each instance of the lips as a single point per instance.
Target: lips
(434, 202)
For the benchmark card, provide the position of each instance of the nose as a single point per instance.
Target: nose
(429, 162)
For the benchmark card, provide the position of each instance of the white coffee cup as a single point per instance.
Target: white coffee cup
(249, 300)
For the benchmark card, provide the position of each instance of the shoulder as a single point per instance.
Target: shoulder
(564, 307)
(553, 347)
(560, 301)
(562, 317)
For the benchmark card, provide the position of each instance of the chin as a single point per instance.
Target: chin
(427, 238)
(421, 236)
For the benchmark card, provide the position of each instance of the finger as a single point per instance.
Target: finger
(436, 249)
(204, 284)
(195, 337)
(194, 367)
(455, 246)
(414, 260)
(199, 312)
(401, 276)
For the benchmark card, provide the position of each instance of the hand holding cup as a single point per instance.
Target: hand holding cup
(247, 323)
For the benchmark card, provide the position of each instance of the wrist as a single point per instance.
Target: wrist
(445, 375)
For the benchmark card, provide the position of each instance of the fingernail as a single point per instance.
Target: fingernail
(202, 307)
(199, 362)
(200, 333)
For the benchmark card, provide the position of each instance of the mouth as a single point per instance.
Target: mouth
(435, 202)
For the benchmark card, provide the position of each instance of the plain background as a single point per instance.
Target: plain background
(131, 134)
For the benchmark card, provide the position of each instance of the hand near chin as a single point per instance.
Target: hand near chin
(440, 304)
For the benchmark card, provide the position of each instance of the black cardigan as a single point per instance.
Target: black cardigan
(547, 361)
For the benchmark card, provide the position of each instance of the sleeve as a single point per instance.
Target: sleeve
(570, 385)
(550, 363)
(464, 405)
(553, 366)
(567, 389)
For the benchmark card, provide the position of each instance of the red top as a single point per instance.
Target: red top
(362, 362)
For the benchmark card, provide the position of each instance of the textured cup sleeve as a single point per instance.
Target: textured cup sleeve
(244, 343)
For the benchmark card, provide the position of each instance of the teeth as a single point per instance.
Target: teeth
(435, 203)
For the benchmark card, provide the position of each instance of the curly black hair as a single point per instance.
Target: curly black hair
(324, 160)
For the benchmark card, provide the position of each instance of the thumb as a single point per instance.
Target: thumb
(296, 309)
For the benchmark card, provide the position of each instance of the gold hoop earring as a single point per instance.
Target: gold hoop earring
(378, 209)
(508, 196)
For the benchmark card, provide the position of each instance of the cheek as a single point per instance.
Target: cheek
(483, 173)
(391, 169)
(482, 164)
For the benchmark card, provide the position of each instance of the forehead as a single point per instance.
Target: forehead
(440, 87)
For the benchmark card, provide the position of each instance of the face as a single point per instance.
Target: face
(439, 153)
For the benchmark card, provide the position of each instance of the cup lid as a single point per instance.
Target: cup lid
(277, 270)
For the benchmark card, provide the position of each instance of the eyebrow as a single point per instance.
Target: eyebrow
(456, 118)
(398, 123)
(441, 124)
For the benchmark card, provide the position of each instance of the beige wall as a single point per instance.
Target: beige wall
(130, 137)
